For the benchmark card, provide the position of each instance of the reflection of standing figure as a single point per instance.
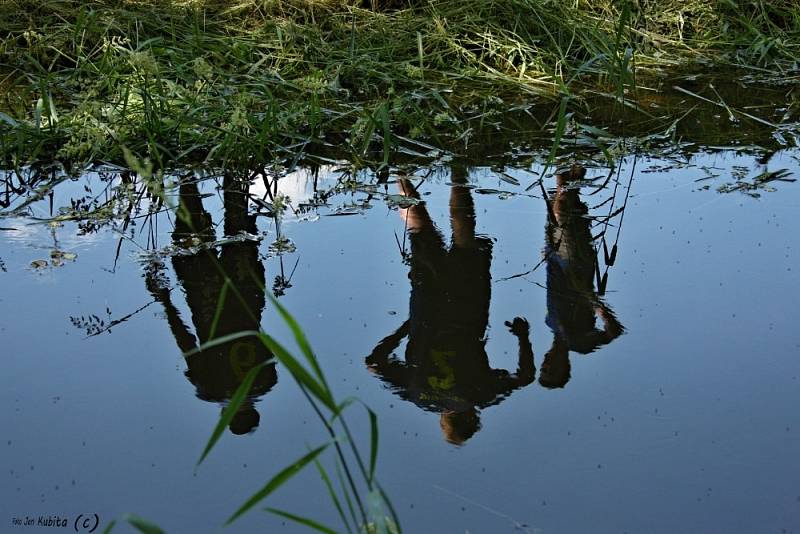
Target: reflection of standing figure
(572, 302)
(225, 294)
(446, 368)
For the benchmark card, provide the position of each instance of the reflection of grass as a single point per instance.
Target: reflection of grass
(758, 184)
(230, 82)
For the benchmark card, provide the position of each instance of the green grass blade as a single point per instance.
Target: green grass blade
(220, 341)
(277, 481)
(223, 293)
(420, 51)
(310, 523)
(332, 494)
(37, 115)
(142, 525)
(387, 132)
(373, 443)
(231, 409)
(561, 126)
(345, 492)
(299, 337)
(299, 372)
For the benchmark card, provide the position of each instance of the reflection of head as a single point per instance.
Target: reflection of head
(555, 371)
(245, 420)
(458, 427)
(576, 172)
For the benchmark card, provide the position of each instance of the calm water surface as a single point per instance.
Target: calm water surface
(649, 382)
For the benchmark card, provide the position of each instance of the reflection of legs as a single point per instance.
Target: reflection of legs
(191, 217)
(235, 205)
(462, 212)
(427, 244)
(567, 201)
(416, 217)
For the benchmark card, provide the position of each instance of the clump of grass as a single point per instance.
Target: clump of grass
(230, 83)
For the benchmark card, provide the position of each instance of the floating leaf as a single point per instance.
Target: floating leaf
(39, 264)
(508, 178)
(401, 201)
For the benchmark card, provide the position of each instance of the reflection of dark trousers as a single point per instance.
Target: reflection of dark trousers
(450, 290)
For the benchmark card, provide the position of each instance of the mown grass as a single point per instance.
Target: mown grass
(235, 83)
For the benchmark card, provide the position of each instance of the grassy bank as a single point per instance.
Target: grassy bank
(238, 82)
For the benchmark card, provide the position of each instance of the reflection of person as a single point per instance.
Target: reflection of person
(572, 303)
(225, 294)
(446, 368)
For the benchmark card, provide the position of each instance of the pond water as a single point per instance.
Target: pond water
(650, 384)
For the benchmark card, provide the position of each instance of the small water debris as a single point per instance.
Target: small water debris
(401, 201)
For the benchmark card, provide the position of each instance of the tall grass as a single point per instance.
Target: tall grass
(230, 82)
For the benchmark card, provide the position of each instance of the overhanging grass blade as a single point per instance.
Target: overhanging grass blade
(373, 445)
(223, 294)
(345, 492)
(387, 132)
(277, 481)
(310, 523)
(220, 341)
(142, 525)
(299, 337)
(231, 409)
(299, 372)
(332, 494)
(561, 126)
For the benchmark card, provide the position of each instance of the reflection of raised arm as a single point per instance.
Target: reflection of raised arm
(526, 369)
(185, 340)
(388, 368)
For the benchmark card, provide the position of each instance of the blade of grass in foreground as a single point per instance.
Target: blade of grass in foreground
(299, 336)
(300, 374)
(332, 493)
(310, 523)
(142, 525)
(561, 126)
(231, 409)
(345, 491)
(277, 481)
(373, 446)
(219, 341)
